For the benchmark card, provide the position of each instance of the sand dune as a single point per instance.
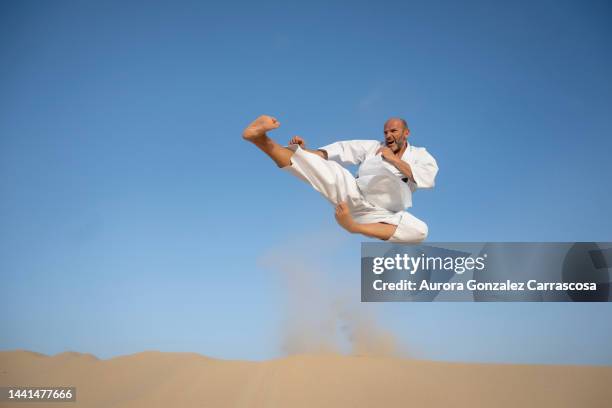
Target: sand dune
(156, 379)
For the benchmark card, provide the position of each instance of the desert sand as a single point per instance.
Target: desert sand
(159, 379)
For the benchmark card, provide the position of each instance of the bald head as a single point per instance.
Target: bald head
(397, 122)
(396, 133)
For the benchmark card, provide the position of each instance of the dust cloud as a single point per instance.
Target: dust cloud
(323, 315)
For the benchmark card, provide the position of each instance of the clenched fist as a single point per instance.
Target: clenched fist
(387, 154)
(297, 140)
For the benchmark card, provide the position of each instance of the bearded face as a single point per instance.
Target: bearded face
(396, 134)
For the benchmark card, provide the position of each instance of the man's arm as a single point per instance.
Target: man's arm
(421, 170)
(399, 164)
(345, 152)
(348, 152)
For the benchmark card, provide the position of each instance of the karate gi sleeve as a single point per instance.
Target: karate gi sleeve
(424, 168)
(351, 151)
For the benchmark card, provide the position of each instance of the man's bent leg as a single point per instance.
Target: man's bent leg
(378, 230)
(256, 134)
(409, 230)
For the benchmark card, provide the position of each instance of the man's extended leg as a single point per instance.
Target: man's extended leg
(256, 133)
(329, 178)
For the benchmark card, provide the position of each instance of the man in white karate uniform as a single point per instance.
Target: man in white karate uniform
(374, 202)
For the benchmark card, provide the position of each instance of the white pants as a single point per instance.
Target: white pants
(337, 184)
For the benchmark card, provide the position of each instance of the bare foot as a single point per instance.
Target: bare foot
(259, 127)
(344, 217)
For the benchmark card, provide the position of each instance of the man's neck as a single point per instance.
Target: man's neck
(401, 151)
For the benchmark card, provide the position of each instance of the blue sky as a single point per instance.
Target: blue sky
(133, 217)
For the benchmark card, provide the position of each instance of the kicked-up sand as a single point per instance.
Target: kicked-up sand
(183, 380)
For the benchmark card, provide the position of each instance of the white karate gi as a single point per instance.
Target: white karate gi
(378, 194)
